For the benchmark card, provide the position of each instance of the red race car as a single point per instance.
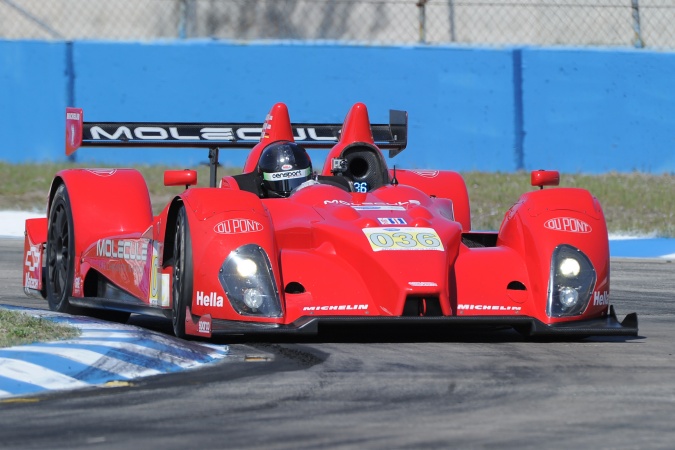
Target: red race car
(286, 246)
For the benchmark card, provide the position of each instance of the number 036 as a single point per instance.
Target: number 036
(403, 239)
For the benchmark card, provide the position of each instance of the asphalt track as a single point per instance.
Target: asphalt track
(355, 389)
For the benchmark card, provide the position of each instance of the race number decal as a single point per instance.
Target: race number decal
(404, 238)
(361, 187)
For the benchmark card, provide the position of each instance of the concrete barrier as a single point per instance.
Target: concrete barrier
(469, 108)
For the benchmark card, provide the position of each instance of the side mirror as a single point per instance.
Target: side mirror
(541, 178)
(180, 178)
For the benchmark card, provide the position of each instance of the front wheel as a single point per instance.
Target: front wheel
(182, 273)
(60, 252)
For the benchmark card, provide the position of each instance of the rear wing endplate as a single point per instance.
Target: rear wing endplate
(392, 136)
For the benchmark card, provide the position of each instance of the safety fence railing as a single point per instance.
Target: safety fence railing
(611, 23)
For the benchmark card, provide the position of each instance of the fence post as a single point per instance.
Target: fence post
(186, 14)
(518, 111)
(637, 40)
(451, 18)
(422, 18)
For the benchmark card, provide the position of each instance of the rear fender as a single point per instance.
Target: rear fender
(441, 184)
(222, 220)
(544, 219)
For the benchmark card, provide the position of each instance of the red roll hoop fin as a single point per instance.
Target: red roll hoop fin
(356, 127)
(277, 126)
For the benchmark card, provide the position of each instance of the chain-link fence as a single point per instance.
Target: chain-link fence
(616, 23)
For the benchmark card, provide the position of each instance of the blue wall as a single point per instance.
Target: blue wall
(599, 111)
(469, 108)
(33, 93)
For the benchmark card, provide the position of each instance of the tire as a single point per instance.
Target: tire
(182, 273)
(60, 253)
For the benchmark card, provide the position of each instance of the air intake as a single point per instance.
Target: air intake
(422, 306)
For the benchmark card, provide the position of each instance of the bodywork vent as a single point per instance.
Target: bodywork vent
(422, 306)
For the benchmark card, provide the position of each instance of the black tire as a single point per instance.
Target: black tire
(60, 253)
(182, 273)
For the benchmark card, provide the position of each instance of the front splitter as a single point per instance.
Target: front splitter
(608, 325)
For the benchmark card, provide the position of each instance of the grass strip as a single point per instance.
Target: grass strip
(18, 328)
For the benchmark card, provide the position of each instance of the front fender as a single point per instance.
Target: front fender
(541, 221)
(221, 221)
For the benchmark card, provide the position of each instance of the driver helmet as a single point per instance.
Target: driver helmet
(283, 166)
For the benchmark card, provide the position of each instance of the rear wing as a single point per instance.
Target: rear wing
(392, 136)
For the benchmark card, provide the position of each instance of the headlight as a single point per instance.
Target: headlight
(568, 297)
(571, 282)
(246, 276)
(253, 298)
(570, 267)
(246, 267)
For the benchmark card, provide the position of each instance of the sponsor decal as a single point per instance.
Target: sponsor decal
(155, 282)
(159, 133)
(247, 134)
(33, 258)
(278, 176)
(121, 268)
(465, 307)
(422, 283)
(426, 173)
(77, 285)
(31, 282)
(286, 167)
(166, 283)
(122, 249)
(403, 238)
(204, 326)
(72, 135)
(33, 267)
(188, 133)
(374, 206)
(266, 126)
(160, 297)
(600, 298)
(392, 221)
(568, 224)
(238, 226)
(102, 172)
(211, 299)
(378, 208)
(72, 116)
(299, 134)
(336, 308)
